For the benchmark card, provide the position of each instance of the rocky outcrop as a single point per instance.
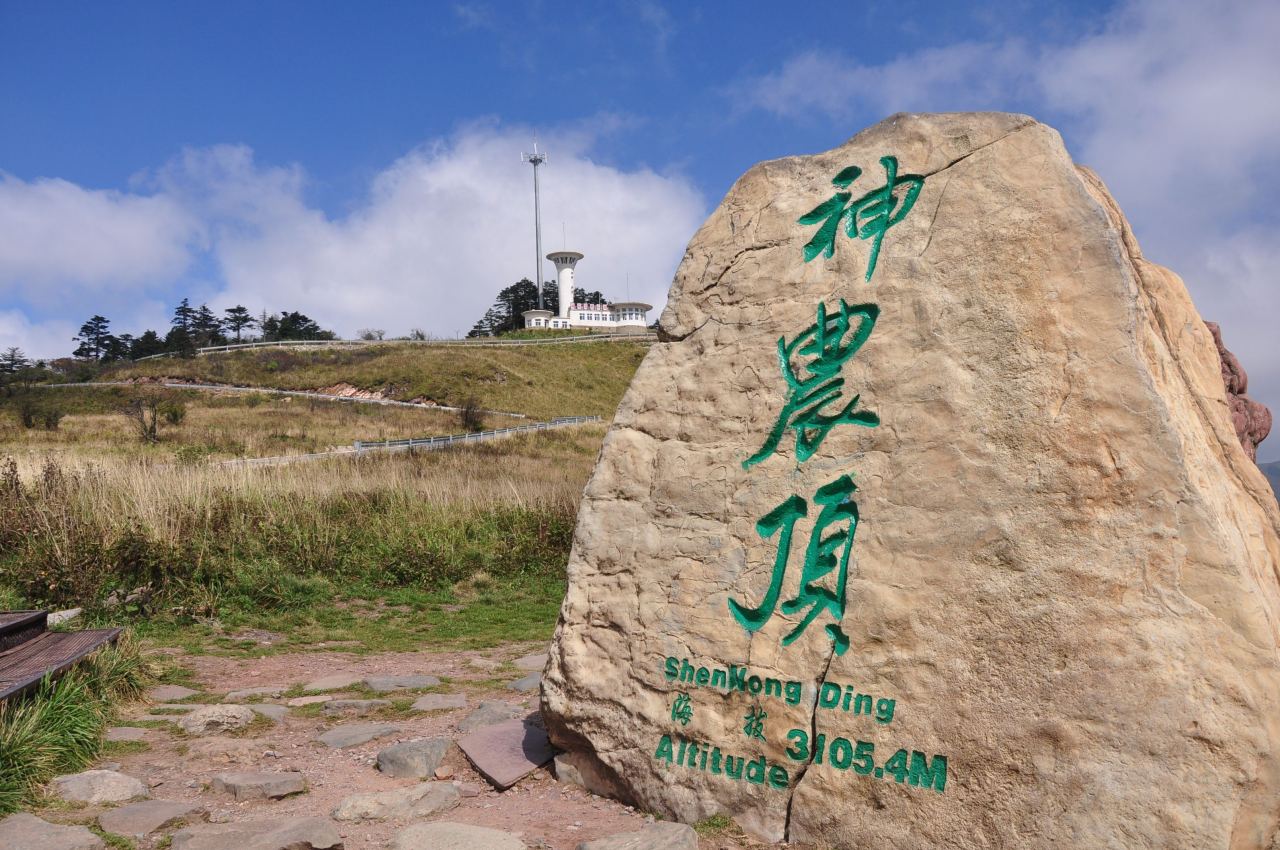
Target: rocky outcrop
(1252, 419)
(928, 524)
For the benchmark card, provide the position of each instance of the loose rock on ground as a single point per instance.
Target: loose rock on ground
(413, 759)
(98, 786)
(28, 832)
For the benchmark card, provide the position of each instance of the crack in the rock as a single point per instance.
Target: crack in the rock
(959, 159)
(813, 743)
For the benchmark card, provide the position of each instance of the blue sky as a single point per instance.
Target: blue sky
(361, 161)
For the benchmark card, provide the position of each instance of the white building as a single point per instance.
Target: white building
(623, 316)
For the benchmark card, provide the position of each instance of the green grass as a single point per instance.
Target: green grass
(541, 381)
(58, 728)
(491, 612)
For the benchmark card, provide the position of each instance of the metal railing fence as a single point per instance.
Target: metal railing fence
(432, 443)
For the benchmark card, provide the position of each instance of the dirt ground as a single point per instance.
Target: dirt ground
(545, 813)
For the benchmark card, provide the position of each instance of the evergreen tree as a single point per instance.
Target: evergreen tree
(293, 325)
(238, 319)
(13, 360)
(95, 339)
(146, 345)
(505, 314)
(178, 341)
(206, 328)
(117, 347)
(184, 316)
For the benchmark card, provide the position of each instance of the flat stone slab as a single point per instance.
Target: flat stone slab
(125, 733)
(334, 682)
(439, 702)
(355, 706)
(170, 693)
(536, 662)
(264, 834)
(299, 702)
(216, 718)
(275, 713)
(98, 786)
(137, 820)
(488, 713)
(354, 734)
(247, 693)
(526, 684)
(27, 832)
(413, 759)
(253, 785)
(382, 684)
(655, 836)
(416, 801)
(506, 752)
(452, 836)
(176, 708)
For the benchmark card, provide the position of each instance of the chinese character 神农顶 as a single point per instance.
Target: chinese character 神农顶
(830, 544)
(815, 383)
(869, 217)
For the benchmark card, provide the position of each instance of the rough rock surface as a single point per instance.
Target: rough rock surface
(487, 713)
(216, 718)
(455, 836)
(248, 693)
(265, 834)
(413, 759)
(506, 752)
(333, 682)
(257, 785)
(383, 684)
(416, 801)
(1064, 576)
(533, 663)
(28, 832)
(355, 707)
(526, 684)
(170, 693)
(438, 702)
(98, 786)
(354, 734)
(655, 836)
(139, 819)
(1252, 419)
(274, 713)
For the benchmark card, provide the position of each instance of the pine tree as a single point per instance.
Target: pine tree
(238, 319)
(184, 316)
(13, 360)
(94, 338)
(206, 328)
(146, 345)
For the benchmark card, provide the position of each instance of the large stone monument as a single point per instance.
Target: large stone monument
(927, 525)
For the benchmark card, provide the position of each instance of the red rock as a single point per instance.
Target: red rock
(505, 753)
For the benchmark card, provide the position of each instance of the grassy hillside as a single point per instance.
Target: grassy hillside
(541, 381)
(213, 426)
(1272, 471)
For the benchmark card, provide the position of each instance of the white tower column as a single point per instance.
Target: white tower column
(565, 261)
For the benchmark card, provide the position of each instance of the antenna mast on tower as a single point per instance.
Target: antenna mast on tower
(535, 159)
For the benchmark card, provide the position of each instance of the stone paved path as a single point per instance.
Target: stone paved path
(205, 782)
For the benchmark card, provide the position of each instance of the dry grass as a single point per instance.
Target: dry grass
(541, 381)
(72, 531)
(222, 427)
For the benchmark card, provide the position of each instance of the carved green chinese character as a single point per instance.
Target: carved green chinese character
(682, 709)
(753, 725)
(828, 550)
(811, 365)
(869, 217)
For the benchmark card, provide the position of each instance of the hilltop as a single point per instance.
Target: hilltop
(540, 381)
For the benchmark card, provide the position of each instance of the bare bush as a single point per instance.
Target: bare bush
(471, 415)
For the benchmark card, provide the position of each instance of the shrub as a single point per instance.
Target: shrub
(471, 415)
(173, 411)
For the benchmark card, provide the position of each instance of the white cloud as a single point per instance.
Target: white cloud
(442, 230)
(38, 340)
(957, 77)
(1173, 103)
(57, 238)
